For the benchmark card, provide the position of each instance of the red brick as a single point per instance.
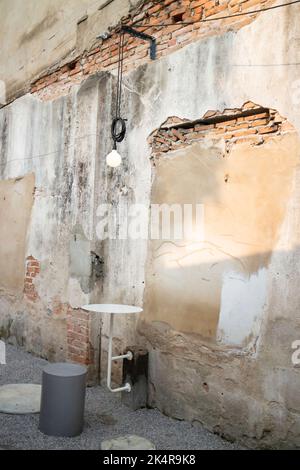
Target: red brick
(178, 11)
(210, 4)
(33, 263)
(93, 51)
(105, 56)
(239, 125)
(234, 9)
(226, 123)
(259, 122)
(81, 330)
(198, 13)
(74, 350)
(178, 134)
(75, 72)
(77, 358)
(249, 105)
(243, 132)
(214, 10)
(204, 127)
(154, 9)
(223, 135)
(79, 336)
(268, 129)
(198, 3)
(182, 31)
(257, 116)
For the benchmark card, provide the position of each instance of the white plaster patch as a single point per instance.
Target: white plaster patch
(242, 305)
(76, 297)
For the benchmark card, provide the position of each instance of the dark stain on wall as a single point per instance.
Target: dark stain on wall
(46, 23)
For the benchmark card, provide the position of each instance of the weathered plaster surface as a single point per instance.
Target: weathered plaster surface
(241, 293)
(244, 193)
(249, 391)
(55, 143)
(246, 392)
(34, 38)
(16, 199)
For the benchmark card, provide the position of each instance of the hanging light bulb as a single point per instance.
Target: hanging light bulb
(118, 130)
(118, 126)
(113, 159)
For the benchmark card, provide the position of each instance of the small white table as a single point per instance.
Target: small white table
(113, 309)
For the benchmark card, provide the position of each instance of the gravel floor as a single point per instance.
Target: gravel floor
(105, 418)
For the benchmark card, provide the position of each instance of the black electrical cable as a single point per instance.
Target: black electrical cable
(118, 135)
(119, 79)
(118, 126)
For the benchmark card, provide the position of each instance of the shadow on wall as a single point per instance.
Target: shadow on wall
(238, 378)
(221, 311)
(220, 301)
(221, 286)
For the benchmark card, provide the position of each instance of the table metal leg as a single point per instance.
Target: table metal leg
(111, 358)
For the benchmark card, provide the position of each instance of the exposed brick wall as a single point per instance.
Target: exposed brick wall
(136, 51)
(251, 124)
(79, 348)
(58, 308)
(32, 269)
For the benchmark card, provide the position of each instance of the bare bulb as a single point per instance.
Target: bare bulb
(113, 159)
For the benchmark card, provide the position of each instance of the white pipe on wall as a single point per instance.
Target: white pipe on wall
(128, 355)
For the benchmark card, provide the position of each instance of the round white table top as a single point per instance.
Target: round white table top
(112, 308)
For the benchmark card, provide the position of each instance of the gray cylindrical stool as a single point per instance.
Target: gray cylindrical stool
(62, 401)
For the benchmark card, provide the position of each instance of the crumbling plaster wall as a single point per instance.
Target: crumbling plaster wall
(16, 199)
(249, 394)
(34, 38)
(212, 282)
(233, 391)
(56, 143)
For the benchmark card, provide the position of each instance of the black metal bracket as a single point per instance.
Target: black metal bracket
(145, 37)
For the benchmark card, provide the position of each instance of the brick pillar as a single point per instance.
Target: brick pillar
(79, 348)
(32, 269)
